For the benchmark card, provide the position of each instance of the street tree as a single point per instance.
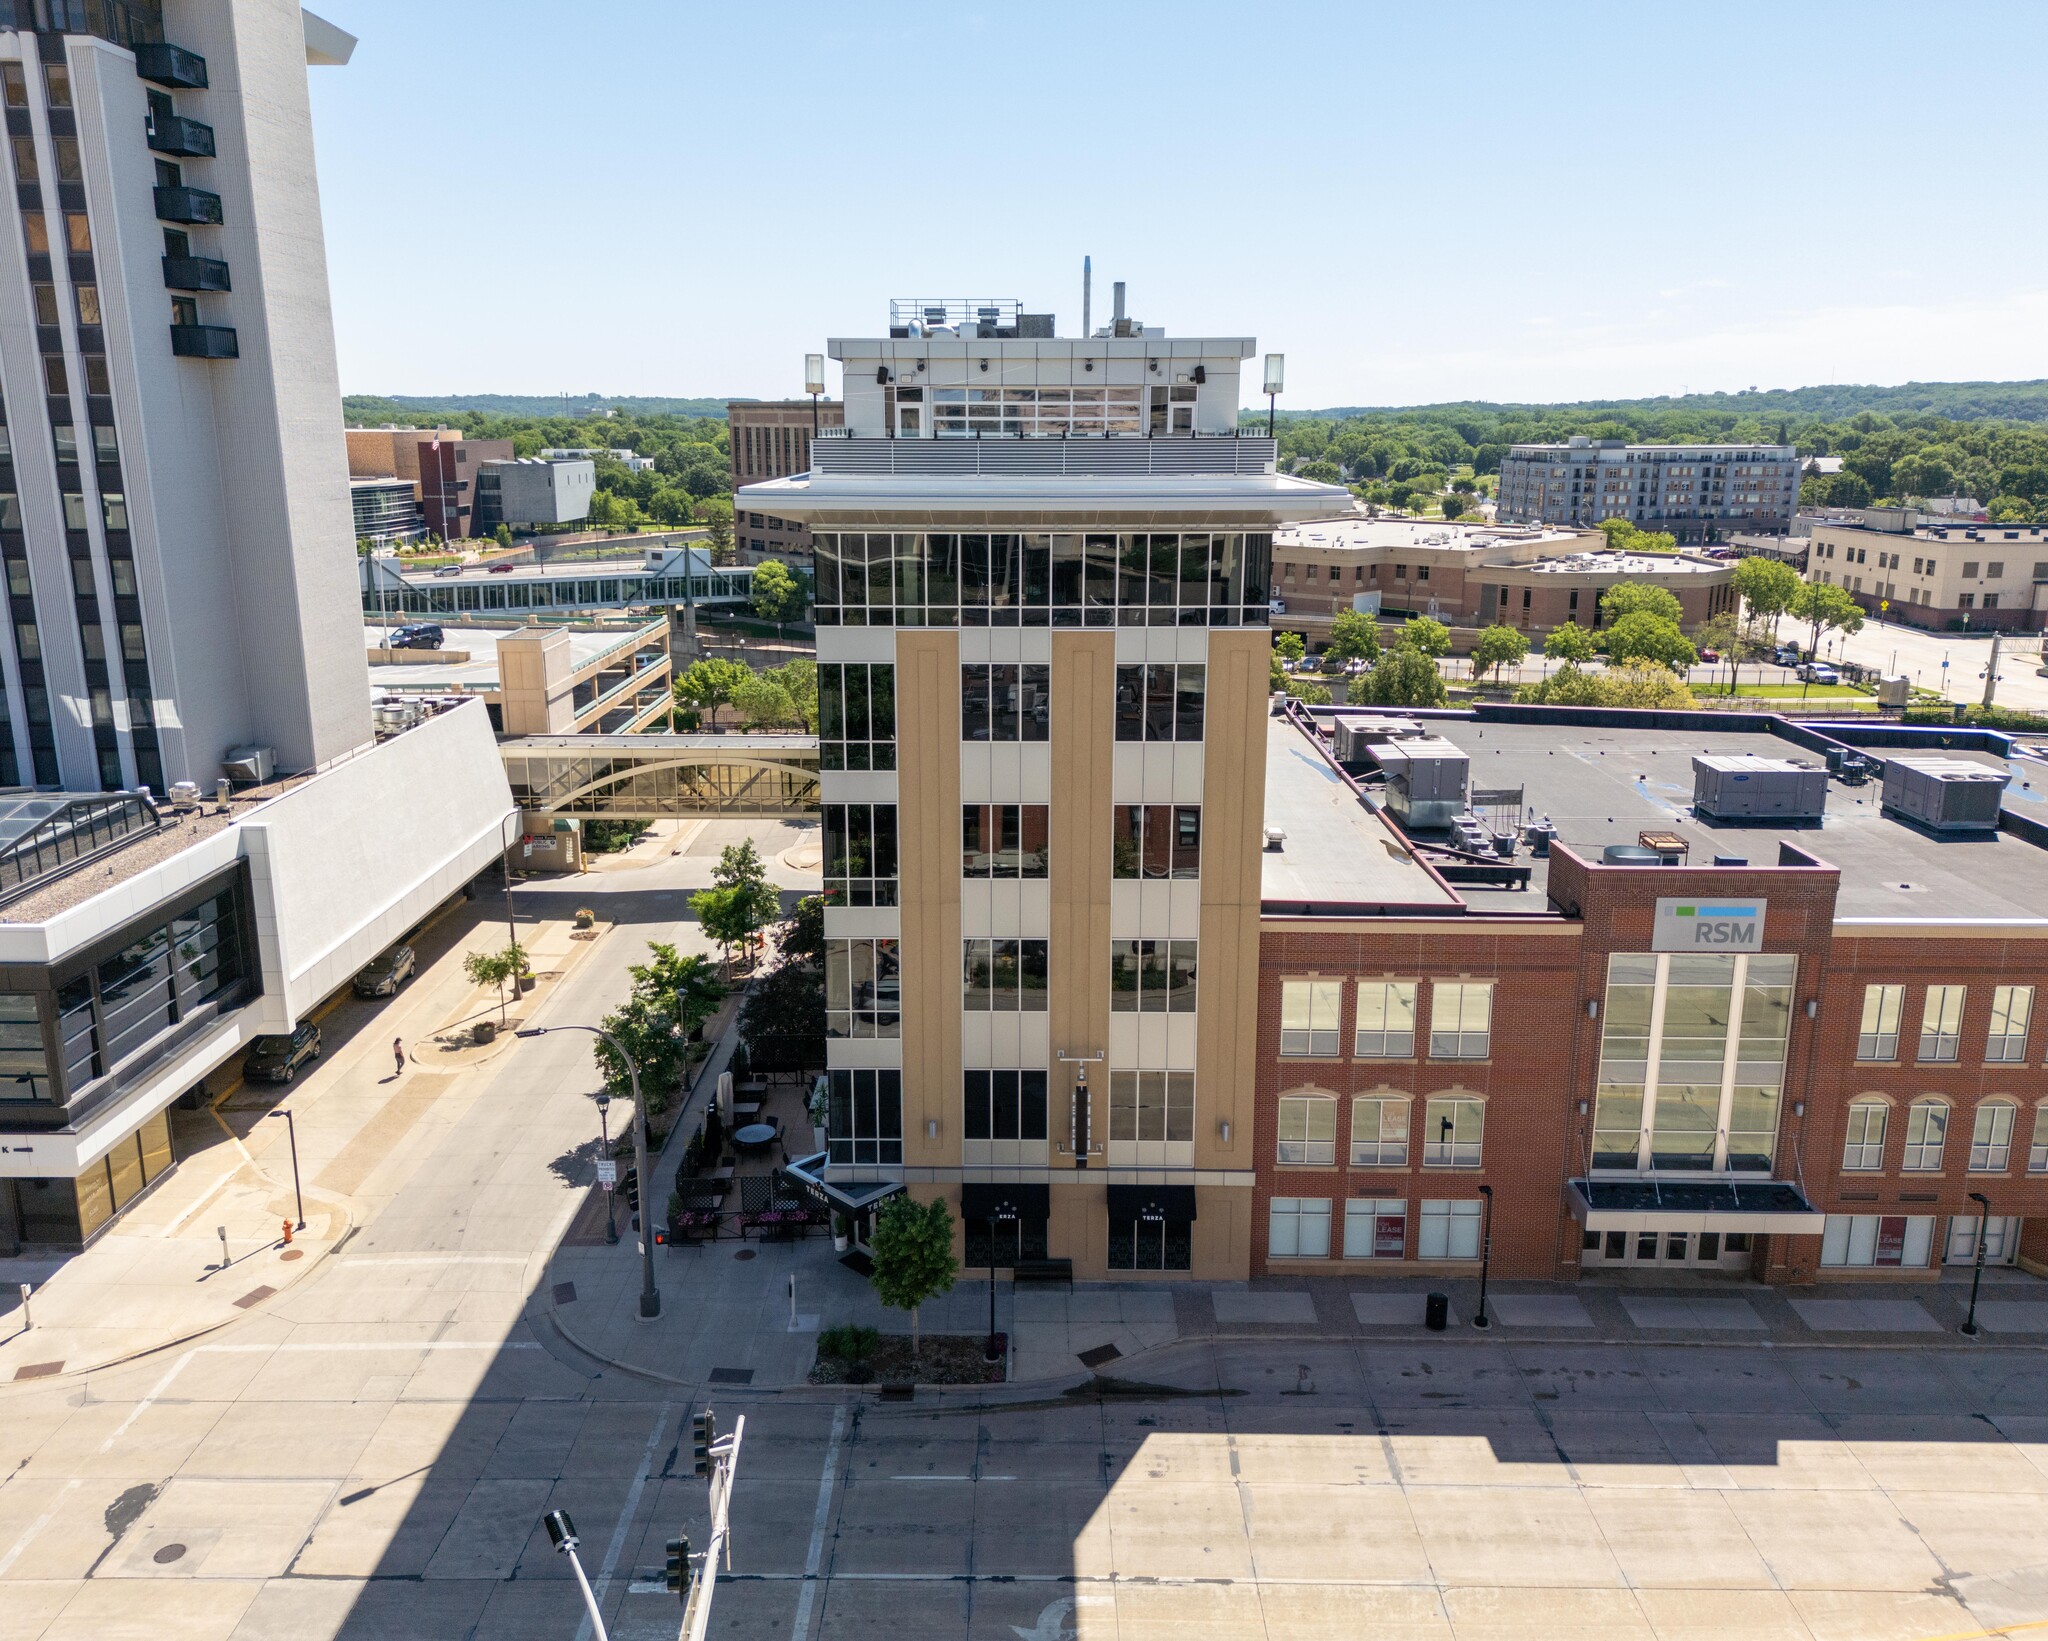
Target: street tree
(1498, 646)
(715, 514)
(912, 1248)
(1402, 677)
(1767, 588)
(763, 703)
(799, 680)
(496, 969)
(1643, 637)
(729, 916)
(689, 986)
(1824, 607)
(1453, 505)
(801, 939)
(1289, 646)
(1354, 636)
(709, 684)
(777, 595)
(1640, 598)
(1722, 633)
(1427, 636)
(1571, 644)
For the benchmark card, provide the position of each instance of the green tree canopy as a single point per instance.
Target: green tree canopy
(1640, 636)
(777, 595)
(1289, 646)
(912, 1248)
(1767, 587)
(1498, 646)
(1570, 643)
(709, 684)
(497, 969)
(1824, 607)
(1354, 636)
(1640, 598)
(1427, 636)
(729, 916)
(1402, 677)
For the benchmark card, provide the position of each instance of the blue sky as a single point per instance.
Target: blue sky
(1415, 202)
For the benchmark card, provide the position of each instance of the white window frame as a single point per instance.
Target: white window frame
(1461, 1147)
(2037, 1150)
(1878, 1038)
(1850, 1241)
(1991, 1137)
(1924, 1148)
(1296, 1225)
(2012, 1011)
(1308, 1148)
(1448, 1229)
(1468, 1001)
(1863, 1149)
(1318, 1008)
(1380, 1151)
(1384, 1002)
(1941, 1023)
(1361, 1226)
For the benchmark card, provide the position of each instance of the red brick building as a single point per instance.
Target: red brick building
(1800, 1063)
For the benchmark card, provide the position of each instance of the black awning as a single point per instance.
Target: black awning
(1174, 1202)
(981, 1200)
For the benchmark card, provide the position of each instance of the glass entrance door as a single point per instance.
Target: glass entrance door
(2001, 1240)
(1674, 1250)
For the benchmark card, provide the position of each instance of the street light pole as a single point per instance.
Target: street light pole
(563, 1532)
(604, 1149)
(1977, 1276)
(292, 1129)
(650, 1295)
(1482, 1320)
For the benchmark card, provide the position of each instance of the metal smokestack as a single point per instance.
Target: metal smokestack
(1117, 293)
(1087, 294)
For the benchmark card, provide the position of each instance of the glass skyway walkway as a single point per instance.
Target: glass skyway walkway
(662, 777)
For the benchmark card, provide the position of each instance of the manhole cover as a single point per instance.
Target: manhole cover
(293, 1253)
(168, 1554)
(744, 1253)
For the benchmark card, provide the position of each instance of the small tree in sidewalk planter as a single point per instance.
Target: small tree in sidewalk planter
(499, 969)
(912, 1249)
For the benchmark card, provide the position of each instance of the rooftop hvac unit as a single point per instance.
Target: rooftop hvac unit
(1894, 691)
(249, 765)
(1354, 738)
(1426, 781)
(1744, 786)
(1943, 794)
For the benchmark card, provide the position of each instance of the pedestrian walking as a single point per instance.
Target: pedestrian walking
(398, 1056)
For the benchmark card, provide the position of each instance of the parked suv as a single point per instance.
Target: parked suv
(277, 1058)
(419, 635)
(384, 975)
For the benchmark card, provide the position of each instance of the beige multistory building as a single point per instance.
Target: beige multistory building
(1043, 585)
(1949, 576)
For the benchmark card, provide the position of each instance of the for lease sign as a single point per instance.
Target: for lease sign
(1709, 926)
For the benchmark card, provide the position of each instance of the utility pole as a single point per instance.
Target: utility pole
(1991, 671)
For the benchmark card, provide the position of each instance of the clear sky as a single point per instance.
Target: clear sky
(1415, 202)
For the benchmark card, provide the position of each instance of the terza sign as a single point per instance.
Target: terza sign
(1701, 925)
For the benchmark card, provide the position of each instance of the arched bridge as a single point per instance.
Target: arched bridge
(664, 777)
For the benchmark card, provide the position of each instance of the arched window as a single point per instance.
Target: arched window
(1308, 1128)
(1453, 1126)
(1863, 1149)
(2037, 1153)
(1926, 1134)
(1379, 1131)
(1991, 1137)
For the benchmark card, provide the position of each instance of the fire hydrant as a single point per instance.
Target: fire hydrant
(287, 1233)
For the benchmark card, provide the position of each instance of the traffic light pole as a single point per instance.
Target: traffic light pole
(723, 1456)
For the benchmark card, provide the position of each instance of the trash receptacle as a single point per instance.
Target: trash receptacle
(1436, 1315)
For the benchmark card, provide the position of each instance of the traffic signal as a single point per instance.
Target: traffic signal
(679, 1567)
(703, 1432)
(629, 1188)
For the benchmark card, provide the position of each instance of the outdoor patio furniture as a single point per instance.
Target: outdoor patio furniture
(756, 1136)
(746, 1108)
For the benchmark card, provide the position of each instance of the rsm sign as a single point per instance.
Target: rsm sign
(1711, 926)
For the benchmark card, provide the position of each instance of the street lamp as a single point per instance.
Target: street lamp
(604, 1149)
(1003, 1213)
(292, 1129)
(562, 1533)
(1482, 1320)
(1977, 1276)
(650, 1295)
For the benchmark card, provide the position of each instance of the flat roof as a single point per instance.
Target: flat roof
(1602, 785)
(479, 674)
(1337, 850)
(1442, 534)
(1629, 564)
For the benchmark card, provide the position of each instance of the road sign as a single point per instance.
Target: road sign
(607, 1172)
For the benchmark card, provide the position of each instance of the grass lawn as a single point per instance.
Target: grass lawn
(1790, 692)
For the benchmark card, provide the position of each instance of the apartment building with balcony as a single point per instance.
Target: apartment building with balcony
(1960, 576)
(1042, 603)
(174, 507)
(1698, 493)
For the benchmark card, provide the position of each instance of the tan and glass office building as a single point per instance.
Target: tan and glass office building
(1042, 600)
